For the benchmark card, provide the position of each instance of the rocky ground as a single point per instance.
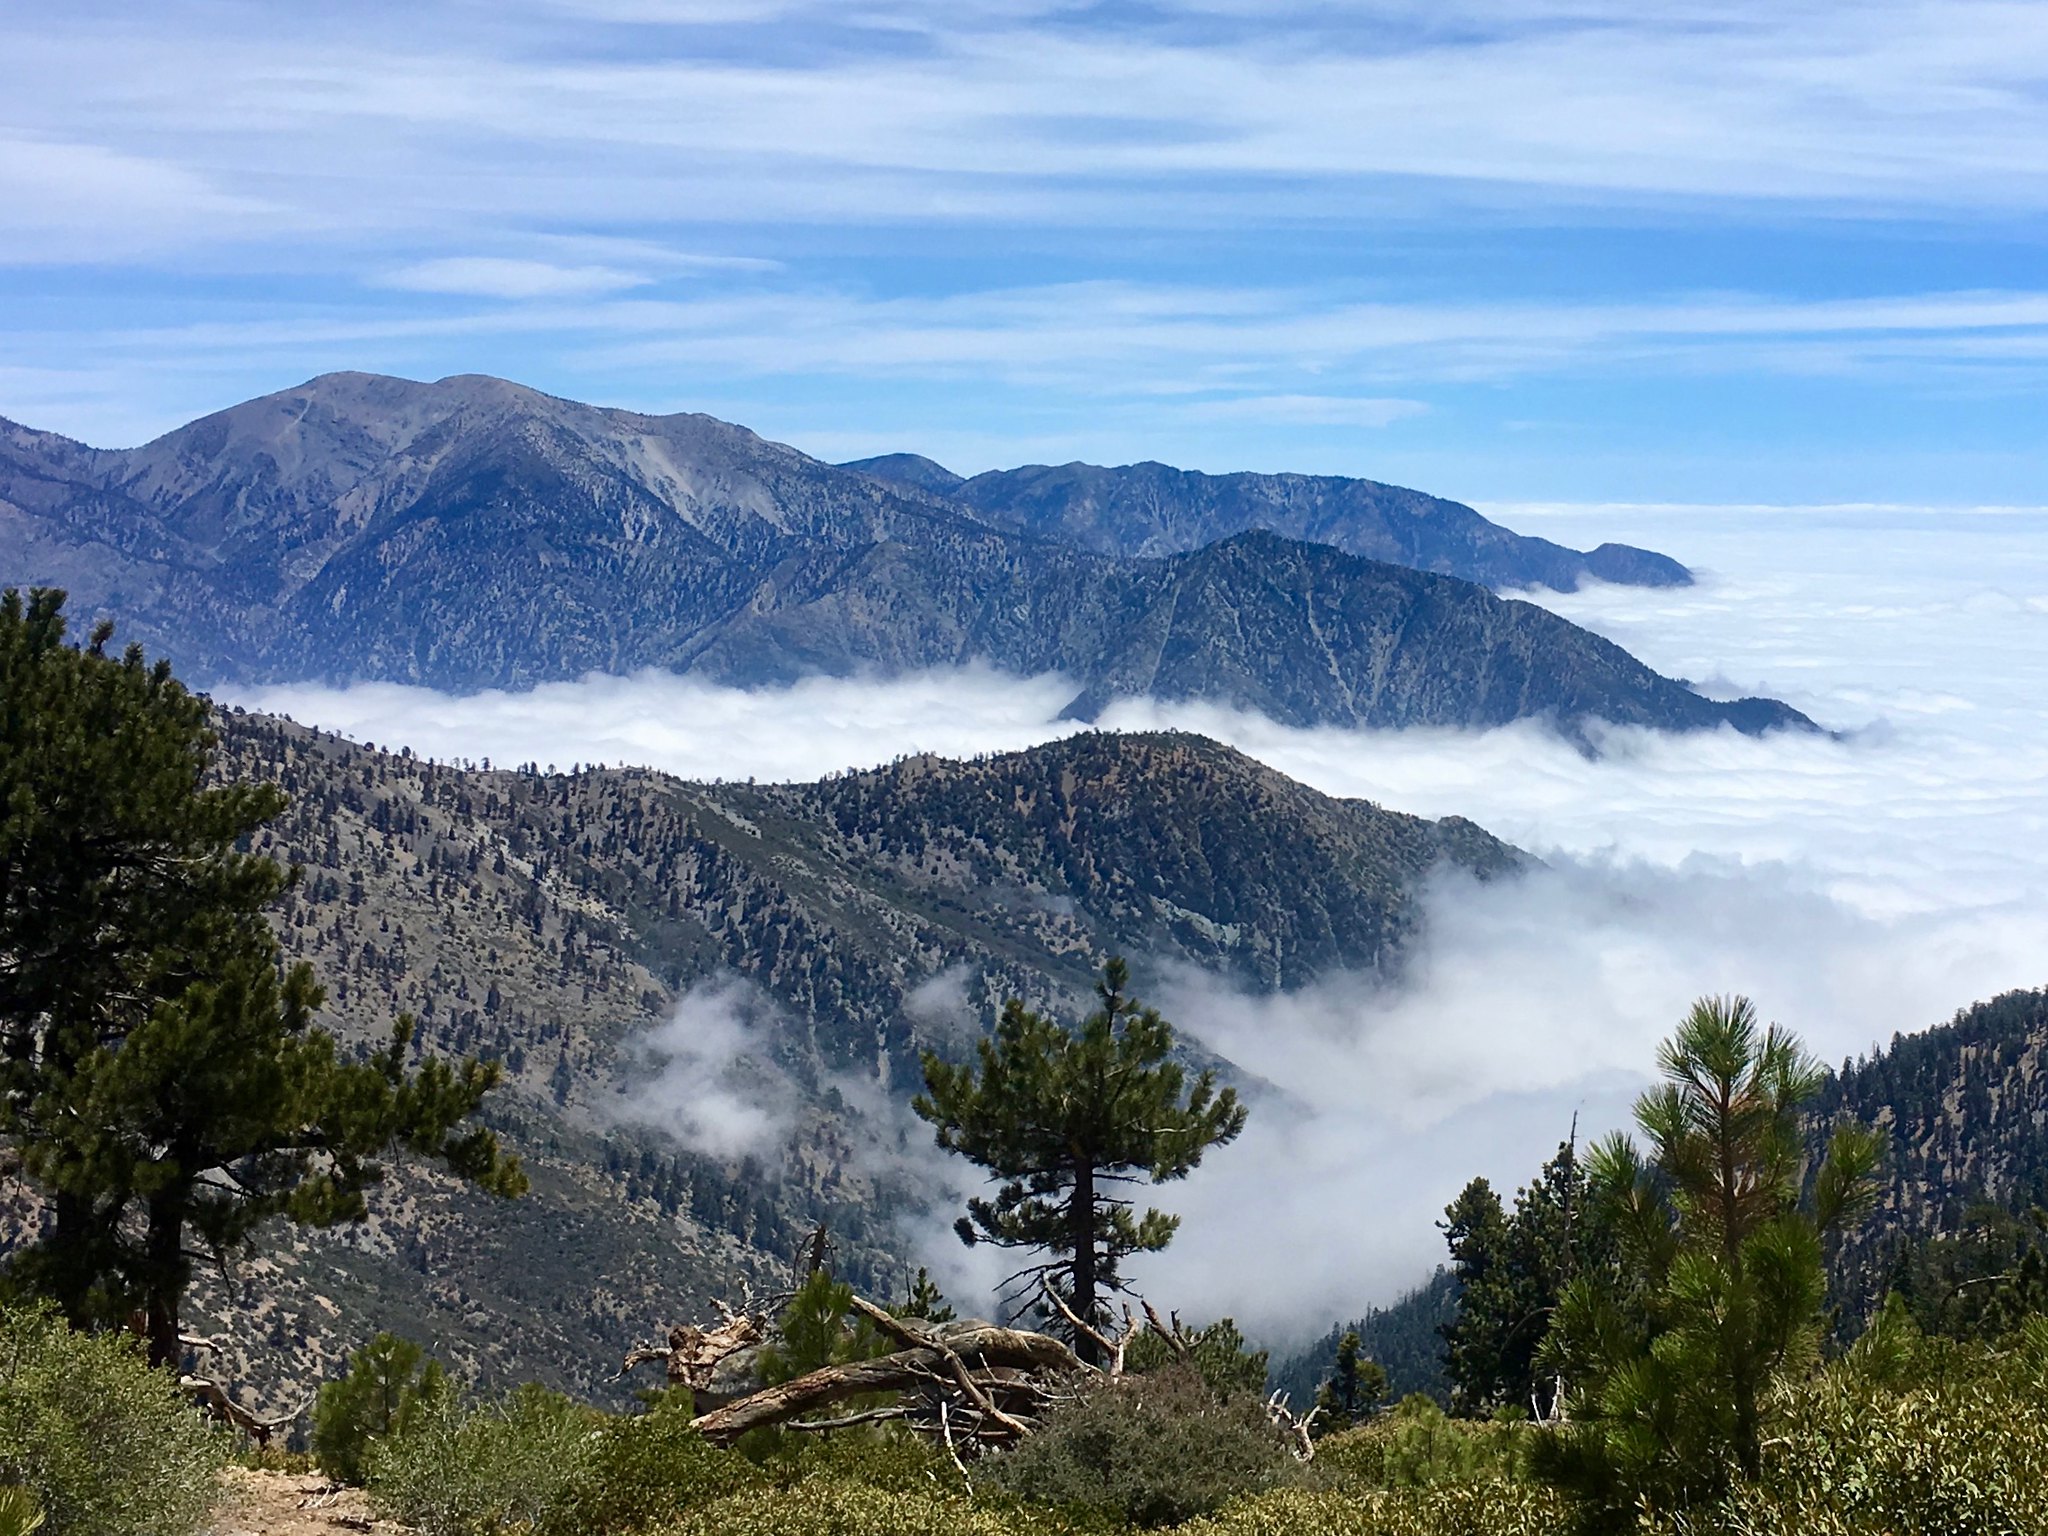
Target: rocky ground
(292, 1504)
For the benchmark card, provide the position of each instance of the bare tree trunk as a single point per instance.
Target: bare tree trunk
(164, 1277)
(1081, 1224)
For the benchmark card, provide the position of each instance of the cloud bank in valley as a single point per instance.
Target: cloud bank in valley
(1855, 887)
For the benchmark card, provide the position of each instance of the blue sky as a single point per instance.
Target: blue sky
(1652, 251)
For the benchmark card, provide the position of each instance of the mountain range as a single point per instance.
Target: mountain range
(1154, 509)
(473, 533)
(562, 922)
(567, 924)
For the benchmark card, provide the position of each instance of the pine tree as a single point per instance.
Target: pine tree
(1062, 1120)
(388, 1387)
(1512, 1267)
(1672, 1351)
(1356, 1386)
(164, 1083)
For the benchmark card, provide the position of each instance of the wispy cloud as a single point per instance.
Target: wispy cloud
(501, 277)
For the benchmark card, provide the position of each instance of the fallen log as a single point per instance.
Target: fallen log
(977, 1349)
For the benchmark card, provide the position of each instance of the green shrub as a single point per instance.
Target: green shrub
(817, 1507)
(893, 1459)
(1151, 1450)
(1963, 1451)
(536, 1462)
(1473, 1509)
(638, 1471)
(102, 1444)
(470, 1471)
(1417, 1445)
(388, 1384)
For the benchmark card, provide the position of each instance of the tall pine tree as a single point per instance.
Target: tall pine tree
(1064, 1121)
(162, 1083)
(1672, 1351)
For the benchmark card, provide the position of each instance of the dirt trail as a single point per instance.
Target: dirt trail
(293, 1504)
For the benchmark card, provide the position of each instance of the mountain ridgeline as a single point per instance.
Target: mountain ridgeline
(473, 533)
(556, 921)
(1155, 509)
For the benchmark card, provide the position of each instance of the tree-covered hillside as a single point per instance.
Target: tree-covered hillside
(553, 921)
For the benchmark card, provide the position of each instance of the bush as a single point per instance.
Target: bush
(388, 1385)
(1417, 1445)
(1961, 1452)
(1151, 1450)
(1473, 1509)
(641, 1470)
(102, 1444)
(819, 1508)
(460, 1471)
(535, 1461)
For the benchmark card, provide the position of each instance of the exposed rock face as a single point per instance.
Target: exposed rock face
(473, 533)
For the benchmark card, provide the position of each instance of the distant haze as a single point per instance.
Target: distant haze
(1855, 887)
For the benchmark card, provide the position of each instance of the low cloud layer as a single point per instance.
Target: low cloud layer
(1855, 887)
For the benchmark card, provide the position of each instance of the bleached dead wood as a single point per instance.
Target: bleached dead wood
(969, 1360)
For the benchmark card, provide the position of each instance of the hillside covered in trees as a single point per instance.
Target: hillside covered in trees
(552, 921)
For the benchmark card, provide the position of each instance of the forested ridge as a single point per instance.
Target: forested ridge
(550, 920)
(305, 1038)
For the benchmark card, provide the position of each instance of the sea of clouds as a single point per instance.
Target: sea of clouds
(1856, 885)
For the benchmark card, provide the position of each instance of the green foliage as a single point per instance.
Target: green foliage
(814, 1332)
(1470, 1509)
(1152, 1450)
(1674, 1352)
(1355, 1387)
(1216, 1353)
(1405, 1337)
(160, 1079)
(97, 1443)
(1511, 1268)
(1960, 1451)
(1061, 1119)
(536, 1462)
(1981, 1282)
(1417, 1445)
(925, 1300)
(388, 1385)
(466, 1471)
(643, 1470)
(856, 1509)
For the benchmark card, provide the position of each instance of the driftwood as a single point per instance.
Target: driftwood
(213, 1398)
(691, 1356)
(973, 1385)
(992, 1367)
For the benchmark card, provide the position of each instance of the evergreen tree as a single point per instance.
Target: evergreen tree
(163, 1081)
(387, 1388)
(1063, 1120)
(1356, 1386)
(1511, 1269)
(1672, 1351)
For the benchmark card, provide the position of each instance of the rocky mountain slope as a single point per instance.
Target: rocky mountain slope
(558, 921)
(473, 533)
(1964, 1110)
(1154, 509)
